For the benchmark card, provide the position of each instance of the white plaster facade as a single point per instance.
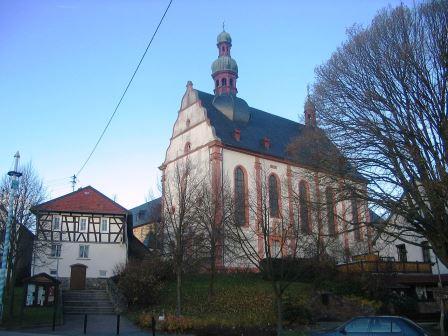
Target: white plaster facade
(101, 262)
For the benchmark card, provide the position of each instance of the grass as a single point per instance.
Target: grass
(32, 316)
(240, 300)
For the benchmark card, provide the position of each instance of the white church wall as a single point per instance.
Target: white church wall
(191, 127)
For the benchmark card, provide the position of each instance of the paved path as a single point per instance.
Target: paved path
(101, 325)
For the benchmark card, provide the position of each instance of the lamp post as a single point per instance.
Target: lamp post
(6, 242)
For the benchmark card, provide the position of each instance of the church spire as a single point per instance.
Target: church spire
(224, 68)
(310, 112)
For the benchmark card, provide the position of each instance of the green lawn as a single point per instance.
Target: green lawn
(241, 300)
(32, 316)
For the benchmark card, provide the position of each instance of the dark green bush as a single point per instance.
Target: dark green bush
(303, 270)
(141, 282)
(296, 313)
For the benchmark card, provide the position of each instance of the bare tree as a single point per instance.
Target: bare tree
(382, 99)
(263, 238)
(182, 242)
(213, 213)
(30, 193)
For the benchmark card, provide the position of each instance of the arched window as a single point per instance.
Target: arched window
(304, 209)
(188, 123)
(217, 83)
(187, 147)
(240, 197)
(329, 195)
(231, 82)
(355, 220)
(273, 196)
(224, 82)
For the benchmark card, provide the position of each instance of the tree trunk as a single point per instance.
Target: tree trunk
(279, 306)
(178, 290)
(211, 287)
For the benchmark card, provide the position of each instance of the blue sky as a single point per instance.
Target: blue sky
(65, 63)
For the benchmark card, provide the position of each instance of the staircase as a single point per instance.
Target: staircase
(87, 302)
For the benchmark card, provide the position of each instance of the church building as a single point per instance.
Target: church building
(224, 135)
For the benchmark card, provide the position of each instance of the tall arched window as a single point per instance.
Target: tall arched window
(273, 196)
(329, 195)
(231, 82)
(355, 219)
(304, 208)
(217, 83)
(240, 197)
(224, 82)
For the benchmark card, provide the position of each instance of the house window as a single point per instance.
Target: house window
(55, 250)
(103, 273)
(57, 223)
(83, 223)
(303, 208)
(188, 123)
(104, 227)
(53, 272)
(83, 251)
(273, 196)
(355, 219)
(426, 252)
(240, 197)
(330, 210)
(402, 253)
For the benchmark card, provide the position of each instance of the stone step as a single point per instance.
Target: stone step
(85, 293)
(89, 310)
(87, 304)
(81, 298)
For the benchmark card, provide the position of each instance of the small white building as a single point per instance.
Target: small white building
(80, 238)
(406, 246)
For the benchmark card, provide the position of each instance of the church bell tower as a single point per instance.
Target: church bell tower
(224, 68)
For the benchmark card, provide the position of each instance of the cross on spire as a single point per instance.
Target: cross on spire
(223, 26)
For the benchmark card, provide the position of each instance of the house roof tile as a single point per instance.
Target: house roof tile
(83, 200)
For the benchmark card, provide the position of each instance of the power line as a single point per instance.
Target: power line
(126, 89)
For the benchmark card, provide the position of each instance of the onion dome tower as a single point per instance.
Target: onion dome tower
(224, 68)
(225, 74)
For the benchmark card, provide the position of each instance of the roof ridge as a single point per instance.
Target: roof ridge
(47, 203)
(259, 110)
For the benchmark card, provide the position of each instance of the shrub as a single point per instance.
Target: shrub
(141, 282)
(174, 324)
(304, 270)
(296, 313)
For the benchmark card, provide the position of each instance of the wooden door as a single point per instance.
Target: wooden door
(78, 276)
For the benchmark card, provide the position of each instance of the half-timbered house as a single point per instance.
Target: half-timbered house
(81, 237)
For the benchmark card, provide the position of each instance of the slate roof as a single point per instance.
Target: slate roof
(83, 200)
(148, 212)
(280, 131)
